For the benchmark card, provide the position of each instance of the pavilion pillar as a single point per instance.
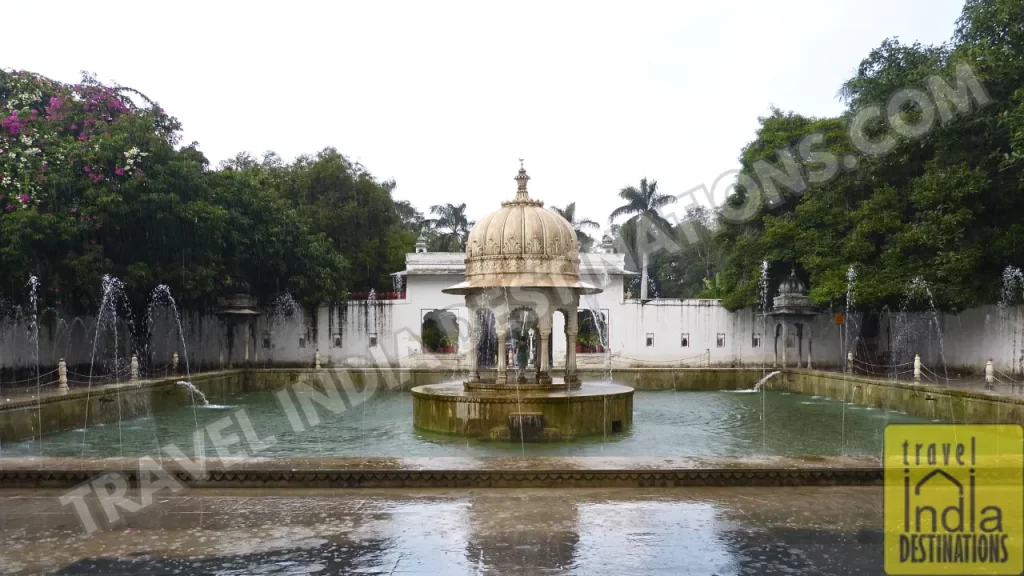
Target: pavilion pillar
(501, 325)
(799, 345)
(474, 343)
(809, 347)
(775, 341)
(785, 333)
(571, 330)
(544, 368)
(246, 331)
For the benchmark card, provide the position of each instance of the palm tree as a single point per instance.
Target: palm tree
(451, 221)
(643, 204)
(569, 213)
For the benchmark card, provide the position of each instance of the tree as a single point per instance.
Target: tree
(688, 271)
(92, 182)
(941, 208)
(569, 213)
(452, 225)
(644, 204)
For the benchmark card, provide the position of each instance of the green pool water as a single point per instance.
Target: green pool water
(665, 423)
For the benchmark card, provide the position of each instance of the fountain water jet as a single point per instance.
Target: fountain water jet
(193, 392)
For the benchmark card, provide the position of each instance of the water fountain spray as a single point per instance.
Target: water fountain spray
(33, 331)
(1013, 286)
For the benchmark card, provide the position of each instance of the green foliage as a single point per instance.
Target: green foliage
(91, 183)
(451, 227)
(945, 206)
(693, 261)
(586, 242)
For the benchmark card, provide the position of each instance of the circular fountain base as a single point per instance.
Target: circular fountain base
(530, 412)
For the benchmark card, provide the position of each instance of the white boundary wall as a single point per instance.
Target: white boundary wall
(373, 333)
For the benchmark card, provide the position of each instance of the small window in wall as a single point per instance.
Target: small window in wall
(336, 340)
(373, 340)
(720, 340)
(650, 339)
(302, 342)
(755, 340)
(266, 341)
(684, 340)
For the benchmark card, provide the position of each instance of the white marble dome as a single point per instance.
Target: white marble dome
(522, 244)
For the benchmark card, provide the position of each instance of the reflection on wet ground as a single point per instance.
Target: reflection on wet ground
(834, 530)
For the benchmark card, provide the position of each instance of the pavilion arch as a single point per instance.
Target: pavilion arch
(523, 322)
(484, 337)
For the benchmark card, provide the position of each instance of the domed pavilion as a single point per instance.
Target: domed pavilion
(523, 258)
(522, 267)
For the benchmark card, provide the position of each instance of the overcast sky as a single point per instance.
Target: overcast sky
(444, 97)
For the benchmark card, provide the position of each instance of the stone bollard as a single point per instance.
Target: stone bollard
(135, 368)
(849, 362)
(62, 377)
(317, 356)
(174, 363)
(990, 375)
(917, 367)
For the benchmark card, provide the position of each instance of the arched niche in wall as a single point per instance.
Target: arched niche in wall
(439, 332)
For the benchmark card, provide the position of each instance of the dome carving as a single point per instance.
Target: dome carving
(522, 244)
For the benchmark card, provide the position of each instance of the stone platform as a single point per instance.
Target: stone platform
(454, 532)
(454, 472)
(529, 412)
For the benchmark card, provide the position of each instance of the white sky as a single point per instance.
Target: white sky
(445, 96)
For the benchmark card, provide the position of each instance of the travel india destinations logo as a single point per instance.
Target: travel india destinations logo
(954, 499)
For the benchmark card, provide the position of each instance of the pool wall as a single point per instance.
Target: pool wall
(24, 417)
(967, 406)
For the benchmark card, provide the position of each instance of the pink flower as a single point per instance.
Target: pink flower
(12, 124)
(74, 210)
(25, 198)
(119, 171)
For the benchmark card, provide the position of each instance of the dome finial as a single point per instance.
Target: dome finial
(521, 178)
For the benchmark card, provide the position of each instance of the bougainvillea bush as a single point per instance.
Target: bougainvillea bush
(93, 182)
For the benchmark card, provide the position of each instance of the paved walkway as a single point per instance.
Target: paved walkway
(525, 531)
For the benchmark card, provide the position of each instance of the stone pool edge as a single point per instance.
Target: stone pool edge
(458, 472)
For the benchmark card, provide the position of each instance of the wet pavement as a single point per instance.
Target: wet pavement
(720, 531)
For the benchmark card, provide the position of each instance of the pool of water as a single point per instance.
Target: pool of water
(665, 423)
